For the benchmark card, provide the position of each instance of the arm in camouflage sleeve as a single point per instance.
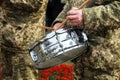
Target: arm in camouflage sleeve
(63, 13)
(68, 6)
(102, 16)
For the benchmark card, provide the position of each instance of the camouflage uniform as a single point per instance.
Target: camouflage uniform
(64, 1)
(17, 33)
(102, 25)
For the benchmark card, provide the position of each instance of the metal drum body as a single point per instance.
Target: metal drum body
(57, 47)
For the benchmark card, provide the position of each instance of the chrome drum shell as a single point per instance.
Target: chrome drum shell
(58, 46)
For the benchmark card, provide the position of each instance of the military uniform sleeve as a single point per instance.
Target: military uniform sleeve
(63, 13)
(104, 16)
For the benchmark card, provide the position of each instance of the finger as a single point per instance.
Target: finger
(56, 25)
(72, 17)
(76, 22)
(72, 11)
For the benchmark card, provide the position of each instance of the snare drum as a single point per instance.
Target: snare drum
(57, 47)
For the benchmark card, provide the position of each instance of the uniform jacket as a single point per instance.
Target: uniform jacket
(17, 19)
(102, 25)
(104, 12)
(17, 32)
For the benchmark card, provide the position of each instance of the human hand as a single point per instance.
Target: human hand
(75, 16)
(56, 25)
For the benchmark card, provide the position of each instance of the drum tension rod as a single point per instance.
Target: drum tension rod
(63, 23)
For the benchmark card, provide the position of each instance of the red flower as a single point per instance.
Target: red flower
(45, 74)
(70, 77)
(64, 78)
(61, 72)
(57, 77)
(43, 79)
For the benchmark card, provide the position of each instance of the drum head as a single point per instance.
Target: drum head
(58, 47)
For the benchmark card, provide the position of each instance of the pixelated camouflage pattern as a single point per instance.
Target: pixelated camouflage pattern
(64, 1)
(17, 32)
(102, 25)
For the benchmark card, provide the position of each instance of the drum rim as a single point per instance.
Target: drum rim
(79, 51)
